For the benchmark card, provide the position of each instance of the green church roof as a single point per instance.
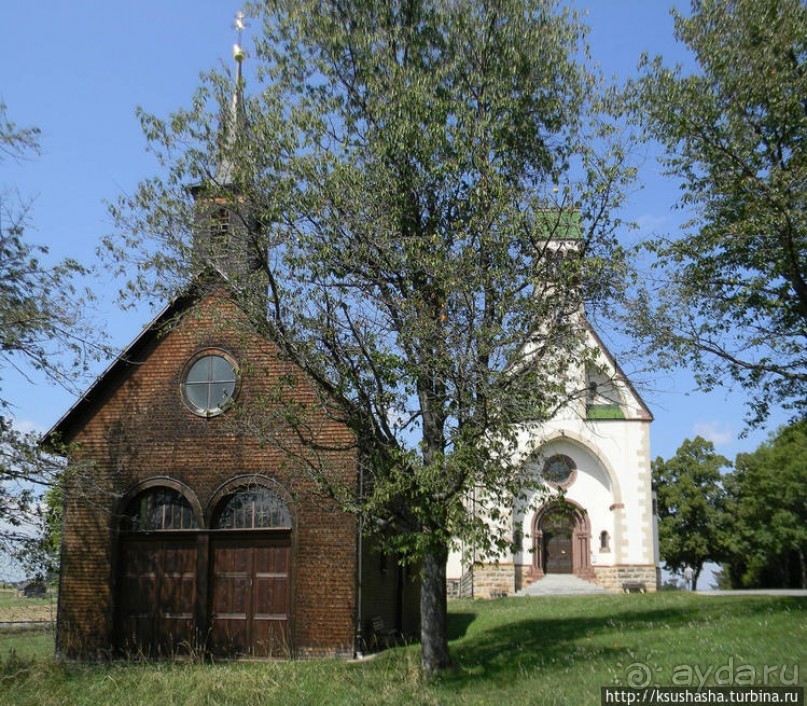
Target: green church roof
(560, 224)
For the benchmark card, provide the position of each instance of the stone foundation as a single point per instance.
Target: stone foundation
(494, 580)
(525, 575)
(497, 580)
(614, 578)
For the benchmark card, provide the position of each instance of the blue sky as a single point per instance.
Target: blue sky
(78, 68)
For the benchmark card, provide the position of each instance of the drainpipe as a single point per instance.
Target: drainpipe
(473, 546)
(358, 651)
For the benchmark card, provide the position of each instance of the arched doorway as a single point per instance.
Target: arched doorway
(156, 586)
(557, 529)
(561, 540)
(250, 574)
(223, 585)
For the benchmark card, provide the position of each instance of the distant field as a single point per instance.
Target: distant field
(547, 651)
(16, 609)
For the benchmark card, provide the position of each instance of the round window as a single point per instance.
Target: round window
(558, 470)
(209, 384)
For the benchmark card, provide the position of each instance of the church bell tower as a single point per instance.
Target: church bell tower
(227, 239)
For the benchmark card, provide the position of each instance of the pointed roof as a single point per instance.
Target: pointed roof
(644, 411)
(556, 224)
(233, 124)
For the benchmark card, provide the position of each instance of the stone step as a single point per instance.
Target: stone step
(561, 585)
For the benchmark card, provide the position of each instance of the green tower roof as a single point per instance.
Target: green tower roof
(560, 224)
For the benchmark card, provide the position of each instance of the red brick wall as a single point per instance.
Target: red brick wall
(135, 426)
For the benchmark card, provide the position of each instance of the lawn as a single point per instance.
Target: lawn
(28, 643)
(508, 651)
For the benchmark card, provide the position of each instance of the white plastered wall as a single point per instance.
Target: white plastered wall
(613, 480)
(612, 484)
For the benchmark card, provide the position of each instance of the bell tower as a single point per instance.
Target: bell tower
(227, 239)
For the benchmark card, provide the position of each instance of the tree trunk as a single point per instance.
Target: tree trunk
(434, 612)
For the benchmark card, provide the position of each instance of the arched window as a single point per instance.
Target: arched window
(603, 400)
(254, 508)
(158, 509)
(605, 541)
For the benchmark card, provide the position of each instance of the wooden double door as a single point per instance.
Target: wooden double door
(227, 594)
(250, 598)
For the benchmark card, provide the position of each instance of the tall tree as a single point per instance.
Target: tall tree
(40, 333)
(691, 500)
(768, 493)
(731, 299)
(403, 174)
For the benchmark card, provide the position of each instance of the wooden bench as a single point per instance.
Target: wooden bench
(634, 587)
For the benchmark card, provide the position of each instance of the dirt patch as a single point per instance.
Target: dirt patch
(28, 614)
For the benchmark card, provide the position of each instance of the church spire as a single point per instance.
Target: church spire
(226, 236)
(234, 122)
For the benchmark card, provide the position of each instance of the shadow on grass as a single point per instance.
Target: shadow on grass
(506, 650)
(458, 624)
(554, 641)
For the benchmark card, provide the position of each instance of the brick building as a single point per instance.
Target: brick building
(185, 530)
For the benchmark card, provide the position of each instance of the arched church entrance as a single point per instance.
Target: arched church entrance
(557, 530)
(561, 541)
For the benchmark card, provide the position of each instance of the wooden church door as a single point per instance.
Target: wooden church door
(558, 551)
(156, 588)
(250, 601)
(156, 595)
(558, 528)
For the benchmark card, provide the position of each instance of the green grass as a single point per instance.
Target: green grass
(29, 643)
(508, 651)
(10, 599)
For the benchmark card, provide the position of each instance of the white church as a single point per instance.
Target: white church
(595, 455)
